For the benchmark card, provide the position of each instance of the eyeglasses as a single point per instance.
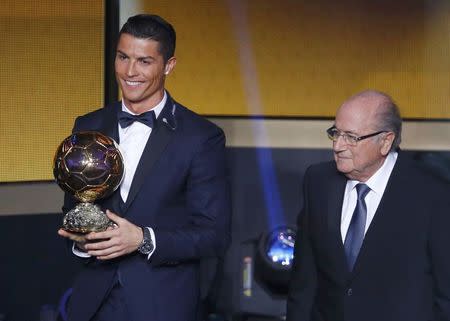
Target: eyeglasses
(333, 134)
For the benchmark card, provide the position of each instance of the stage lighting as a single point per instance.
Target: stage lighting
(275, 254)
(258, 284)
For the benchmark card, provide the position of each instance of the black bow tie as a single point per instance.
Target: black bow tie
(126, 119)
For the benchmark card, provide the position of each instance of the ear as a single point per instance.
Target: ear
(170, 64)
(386, 143)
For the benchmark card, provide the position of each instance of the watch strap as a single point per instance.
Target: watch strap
(146, 246)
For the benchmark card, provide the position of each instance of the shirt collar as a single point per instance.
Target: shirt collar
(378, 181)
(157, 109)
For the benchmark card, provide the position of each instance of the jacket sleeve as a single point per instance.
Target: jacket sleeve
(439, 207)
(208, 205)
(303, 282)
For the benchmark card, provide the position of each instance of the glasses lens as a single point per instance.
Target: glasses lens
(351, 140)
(332, 133)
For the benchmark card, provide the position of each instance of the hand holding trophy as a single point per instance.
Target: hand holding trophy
(89, 166)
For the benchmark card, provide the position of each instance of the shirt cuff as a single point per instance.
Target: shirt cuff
(78, 252)
(152, 235)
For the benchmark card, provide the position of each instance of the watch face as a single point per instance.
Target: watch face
(146, 247)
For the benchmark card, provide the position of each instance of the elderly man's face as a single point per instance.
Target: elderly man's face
(360, 161)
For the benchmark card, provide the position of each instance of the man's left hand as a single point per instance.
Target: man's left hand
(112, 243)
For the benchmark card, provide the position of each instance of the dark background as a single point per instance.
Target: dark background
(36, 267)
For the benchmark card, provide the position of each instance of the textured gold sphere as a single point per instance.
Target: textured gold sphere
(88, 165)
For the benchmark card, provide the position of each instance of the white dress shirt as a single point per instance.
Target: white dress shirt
(132, 143)
(377, 184)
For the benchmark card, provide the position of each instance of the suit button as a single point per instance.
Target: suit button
(349, 292)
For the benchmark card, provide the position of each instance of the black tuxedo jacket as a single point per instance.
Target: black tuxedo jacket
(180, 189)
(402, 272)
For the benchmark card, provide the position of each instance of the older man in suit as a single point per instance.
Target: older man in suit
(374, 230)
(172, 208)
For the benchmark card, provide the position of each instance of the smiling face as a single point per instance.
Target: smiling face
(359, 117)
(141, 72)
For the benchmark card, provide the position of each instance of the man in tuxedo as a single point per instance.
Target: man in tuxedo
(374, 229)
(172, 208)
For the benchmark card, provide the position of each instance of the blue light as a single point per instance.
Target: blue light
(272, 199)
(280, 247)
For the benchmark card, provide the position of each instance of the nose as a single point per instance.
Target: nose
(339, 144)
(131, 69)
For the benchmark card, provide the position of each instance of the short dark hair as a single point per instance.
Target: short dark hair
(149, 26)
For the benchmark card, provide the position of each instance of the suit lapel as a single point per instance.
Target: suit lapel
(159, 138)
(109, 126)
(110, 129)
(335, 196)
(381, 221)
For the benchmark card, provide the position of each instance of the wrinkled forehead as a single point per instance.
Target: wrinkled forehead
(358, 115)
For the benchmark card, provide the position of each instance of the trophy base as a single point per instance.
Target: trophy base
(85, 218)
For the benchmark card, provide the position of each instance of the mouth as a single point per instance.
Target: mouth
(340, 157)
(133, 83)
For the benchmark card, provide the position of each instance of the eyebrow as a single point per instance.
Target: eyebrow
(345, 131)
(139, 58)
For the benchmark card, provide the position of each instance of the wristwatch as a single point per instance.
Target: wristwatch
(146, 246)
